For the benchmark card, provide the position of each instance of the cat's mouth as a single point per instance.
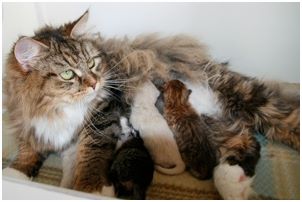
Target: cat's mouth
(88, 94)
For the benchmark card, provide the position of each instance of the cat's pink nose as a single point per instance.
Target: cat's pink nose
(93, 85)
(90, 81)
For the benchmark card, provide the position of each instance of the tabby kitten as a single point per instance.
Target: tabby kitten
(190, 131)
(204, 142)
(132, 169)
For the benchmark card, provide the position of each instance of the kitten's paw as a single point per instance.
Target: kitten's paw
(11, 172)
(231, 182)
(106, 191)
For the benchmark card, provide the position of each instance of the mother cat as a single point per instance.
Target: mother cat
(56, 77)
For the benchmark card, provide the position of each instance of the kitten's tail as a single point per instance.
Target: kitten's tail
(178, 168)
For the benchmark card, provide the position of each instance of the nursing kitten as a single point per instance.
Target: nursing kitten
(132, 169)
(158, 137)
(190, 131)
(235, 152)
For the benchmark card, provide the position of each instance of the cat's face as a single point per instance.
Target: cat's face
(69, 67)
(175, 92)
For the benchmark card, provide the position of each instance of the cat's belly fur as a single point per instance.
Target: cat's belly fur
(60, 130)
(203, 99)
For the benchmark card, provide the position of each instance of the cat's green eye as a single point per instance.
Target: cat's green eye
(91, 63)
(67, 75)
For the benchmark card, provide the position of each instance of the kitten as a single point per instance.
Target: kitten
(190, 131)
(132, 169)
(157, 136)
(235, 170)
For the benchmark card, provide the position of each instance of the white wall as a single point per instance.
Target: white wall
(259, 39)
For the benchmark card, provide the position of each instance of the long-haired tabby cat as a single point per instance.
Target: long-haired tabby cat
(204, 142)
(53, 78)
(53, 81)
(190, 131)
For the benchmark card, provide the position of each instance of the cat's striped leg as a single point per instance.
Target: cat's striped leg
(28, 161)
(259, 105)
(92, 165)
(279, 126)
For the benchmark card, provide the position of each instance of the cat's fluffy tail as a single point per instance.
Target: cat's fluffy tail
(178, 168)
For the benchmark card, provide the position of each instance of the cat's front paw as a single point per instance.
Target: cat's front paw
(11, 172)
(231, 182)
(106, 191)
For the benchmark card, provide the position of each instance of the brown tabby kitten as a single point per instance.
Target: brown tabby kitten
(216, 139)
(205, 142)
(190, 131)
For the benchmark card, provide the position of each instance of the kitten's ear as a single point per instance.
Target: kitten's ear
(26, 51)
(161, 88)
(78, 26)
(158, 83)
(189, 91)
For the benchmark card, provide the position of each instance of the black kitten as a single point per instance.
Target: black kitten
(132, 169)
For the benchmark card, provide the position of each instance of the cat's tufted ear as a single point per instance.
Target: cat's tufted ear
(78, 26)
(26, 51)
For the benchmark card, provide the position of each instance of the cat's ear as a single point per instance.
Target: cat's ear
(79, 25)
(26, 51)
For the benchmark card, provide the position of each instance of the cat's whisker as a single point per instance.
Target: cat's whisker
(112, 95)
(93, 128)
(121, 60)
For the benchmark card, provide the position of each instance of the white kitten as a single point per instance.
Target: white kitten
(155, 132)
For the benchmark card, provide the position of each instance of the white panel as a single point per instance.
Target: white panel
(259, 39)
(17, 189)
(19, 19)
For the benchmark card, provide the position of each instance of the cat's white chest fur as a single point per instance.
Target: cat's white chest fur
(203, 99)
(60, 130)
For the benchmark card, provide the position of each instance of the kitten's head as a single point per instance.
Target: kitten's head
(61, 63)
(175, 92)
